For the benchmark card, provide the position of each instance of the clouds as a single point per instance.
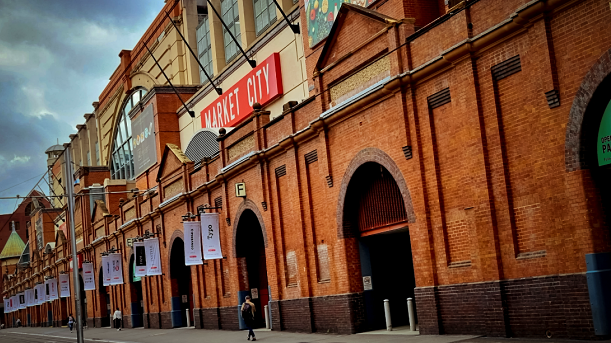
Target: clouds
(55, 59)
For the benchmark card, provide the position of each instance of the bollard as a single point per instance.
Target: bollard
(188, 318)
(266, 317)
(387, 314)
(410, 312)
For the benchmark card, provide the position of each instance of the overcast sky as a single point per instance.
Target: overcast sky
(56, 56)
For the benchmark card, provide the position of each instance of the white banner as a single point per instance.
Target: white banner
(53, 294)
(139, 259)
(117, 269)
(106, 271)
(88, 277)
(193, 243)
(153, 259)
(64, 285)
(22, 303)
(14, 303)
(29, 297)
(211, 236)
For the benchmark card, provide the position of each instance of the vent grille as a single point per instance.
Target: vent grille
(311, 157)
(281, 171)
(218, 202)
(203, 144)
(407, 151)
(553, 98)
(507, 68)
(329, 180)
(439, 99)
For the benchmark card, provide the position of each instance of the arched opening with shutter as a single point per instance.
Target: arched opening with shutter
(182, 290)
(104, 298)
(375, 213)
(135, 286)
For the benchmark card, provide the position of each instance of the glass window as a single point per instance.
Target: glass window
(122, 160)
(231, 16)
(204, 49)
(265, 14)
(97, 152)
(88, 158)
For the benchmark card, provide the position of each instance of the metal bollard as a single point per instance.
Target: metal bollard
(387, 314)
(188, 318)
(266, 317)
(410, 312)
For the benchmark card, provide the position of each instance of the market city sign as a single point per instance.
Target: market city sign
(604, 138)
(263, 84)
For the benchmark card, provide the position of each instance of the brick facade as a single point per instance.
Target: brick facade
(500, 200)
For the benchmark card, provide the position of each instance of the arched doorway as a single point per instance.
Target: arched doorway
(250, 251)
(135, 286)
(374, 212)
(104, 297)
(82, 300)
(182, 292)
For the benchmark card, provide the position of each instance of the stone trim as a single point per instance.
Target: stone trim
(378, 156)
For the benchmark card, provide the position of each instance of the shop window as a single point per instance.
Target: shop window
(265, 14)
(122, 159)
(204, 49)
(231, 16)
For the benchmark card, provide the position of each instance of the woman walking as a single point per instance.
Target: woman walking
(70, 322)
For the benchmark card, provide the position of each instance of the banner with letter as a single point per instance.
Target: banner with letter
(106, 271)
(22, 303)
(139, 259)
(88, 279)
(153, 259)
(193, 243)
(211, 236)
(116, 272)
(64, 285)
(29, 297)
(53, 289)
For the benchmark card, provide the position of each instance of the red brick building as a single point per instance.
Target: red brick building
(444, 154)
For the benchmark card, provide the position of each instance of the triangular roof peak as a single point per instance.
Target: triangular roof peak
(178, 154)
(344, 10)
(14, 246)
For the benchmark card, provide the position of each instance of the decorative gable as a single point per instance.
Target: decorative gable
(172, 159)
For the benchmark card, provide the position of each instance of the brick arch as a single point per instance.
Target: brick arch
(575, 151)
(380, 157)
(175, 234)
(247, 204)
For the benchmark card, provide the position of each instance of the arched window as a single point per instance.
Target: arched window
(122, 159)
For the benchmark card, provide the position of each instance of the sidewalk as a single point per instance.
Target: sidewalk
(190, 335)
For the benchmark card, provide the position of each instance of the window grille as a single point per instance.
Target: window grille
(122, 158)
(231, 16)
(265, 14)
(204, 48)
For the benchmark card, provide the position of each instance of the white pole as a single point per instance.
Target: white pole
(75, 280)
(188, 318)
(266, 317)
(410, 311)
(387, 314)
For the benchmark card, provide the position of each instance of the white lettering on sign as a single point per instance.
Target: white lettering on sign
(263, 84)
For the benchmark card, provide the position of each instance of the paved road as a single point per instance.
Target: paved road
(62, 335)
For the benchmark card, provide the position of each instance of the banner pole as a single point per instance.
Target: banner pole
(77, 286)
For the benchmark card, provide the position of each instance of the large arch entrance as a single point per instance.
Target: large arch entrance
(182, 292)
(250, 251)
(375, 213)
(104, 297)
(135, 287)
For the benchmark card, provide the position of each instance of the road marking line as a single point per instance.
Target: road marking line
(64, 337)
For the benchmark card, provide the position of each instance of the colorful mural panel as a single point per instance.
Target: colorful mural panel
(322, 14)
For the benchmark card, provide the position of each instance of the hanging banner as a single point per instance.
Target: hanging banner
(139, 260)
(193, 243)
(116, 272)
(22, 303)
(53, 294)
(64, 285)
(153, 259)
(29, 297)
(15, 304)
(106, 271)
(211, 237)
(88, 279)
(47, 290)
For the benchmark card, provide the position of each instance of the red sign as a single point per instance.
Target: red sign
(79, 260)
(263, 84)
